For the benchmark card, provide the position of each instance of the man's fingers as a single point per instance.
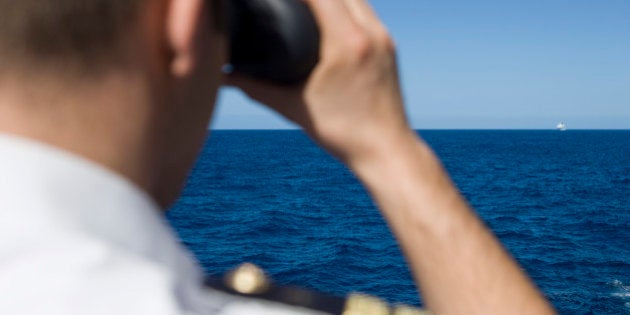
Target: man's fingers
(370, 22)
(349, 28)
(338, 17)
(333, 16)
(363, 13)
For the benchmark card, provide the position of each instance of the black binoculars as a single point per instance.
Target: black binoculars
(272, 40)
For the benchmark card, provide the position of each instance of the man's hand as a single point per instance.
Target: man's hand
(352, 103)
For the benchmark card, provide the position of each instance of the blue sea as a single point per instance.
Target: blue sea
(559, 201)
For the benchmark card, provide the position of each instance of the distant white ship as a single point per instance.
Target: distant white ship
(561, 126)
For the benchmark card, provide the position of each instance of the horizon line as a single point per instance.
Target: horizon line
(438, 129)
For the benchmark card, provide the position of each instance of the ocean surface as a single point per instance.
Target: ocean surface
(559, 201)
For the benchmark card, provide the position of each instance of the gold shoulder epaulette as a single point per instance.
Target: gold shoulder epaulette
(250, 281)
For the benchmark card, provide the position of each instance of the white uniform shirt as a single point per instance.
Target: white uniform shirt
(76, 238)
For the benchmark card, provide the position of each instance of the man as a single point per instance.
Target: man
(104, 105)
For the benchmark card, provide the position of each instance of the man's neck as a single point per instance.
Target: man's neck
(106, 119)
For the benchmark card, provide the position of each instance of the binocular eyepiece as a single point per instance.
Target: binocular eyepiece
(272, 40)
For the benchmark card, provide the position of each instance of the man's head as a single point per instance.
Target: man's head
(130, 84)
(63, 30)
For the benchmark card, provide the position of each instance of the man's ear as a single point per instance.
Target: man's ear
(183, 19)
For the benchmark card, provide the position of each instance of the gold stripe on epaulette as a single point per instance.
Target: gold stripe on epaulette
(359, 304)
(408, 310)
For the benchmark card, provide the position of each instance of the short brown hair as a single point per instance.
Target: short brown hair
(46, 30)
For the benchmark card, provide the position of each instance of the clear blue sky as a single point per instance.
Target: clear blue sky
(497, 64)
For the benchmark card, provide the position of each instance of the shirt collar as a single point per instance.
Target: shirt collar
(46, 186)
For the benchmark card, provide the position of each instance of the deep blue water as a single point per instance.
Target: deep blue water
(559, 201)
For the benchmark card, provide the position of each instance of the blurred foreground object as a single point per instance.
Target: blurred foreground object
(251, 283)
